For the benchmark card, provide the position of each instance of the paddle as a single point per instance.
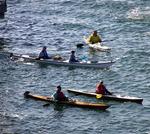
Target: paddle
(80, 45)
(107, 40)
(98, 96)
(47, 104)
(66, 99)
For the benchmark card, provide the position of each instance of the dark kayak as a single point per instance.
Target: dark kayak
(108, 97)
(75, 103)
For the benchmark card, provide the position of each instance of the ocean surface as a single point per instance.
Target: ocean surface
(124, 25)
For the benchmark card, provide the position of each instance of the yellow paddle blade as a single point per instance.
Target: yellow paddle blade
(98, 96)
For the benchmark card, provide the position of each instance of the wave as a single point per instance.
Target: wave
(138, 13)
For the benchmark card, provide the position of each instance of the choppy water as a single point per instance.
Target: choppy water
(60, 25)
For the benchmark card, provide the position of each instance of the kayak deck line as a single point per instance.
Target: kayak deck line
(108, 97)
(88, 64)
(74, 103)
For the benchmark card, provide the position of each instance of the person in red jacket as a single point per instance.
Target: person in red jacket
(59, 95)
(101, 89)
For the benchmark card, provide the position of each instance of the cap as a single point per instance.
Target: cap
(59, 87)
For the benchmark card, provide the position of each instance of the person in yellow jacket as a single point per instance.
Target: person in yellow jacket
(94, 38)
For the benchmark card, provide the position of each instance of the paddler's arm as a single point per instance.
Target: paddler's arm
(107, 92)
(40, 56)
(100, 40)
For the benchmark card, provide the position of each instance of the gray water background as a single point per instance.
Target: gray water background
(60, 25)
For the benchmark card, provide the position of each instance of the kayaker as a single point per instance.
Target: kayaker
(59, 95)
(94, 38)
(72, 57)
(43, 54)
(101, 89)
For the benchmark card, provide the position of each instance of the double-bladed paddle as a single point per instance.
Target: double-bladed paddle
(80, 45)
(98, 96)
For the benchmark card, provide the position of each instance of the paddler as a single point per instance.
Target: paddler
(94, 38)
(43, 54)
(73, 57)
(59, 95)
(101, 89)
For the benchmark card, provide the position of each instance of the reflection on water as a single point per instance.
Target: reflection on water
(2, 43)
(42, 65)
(58, 107)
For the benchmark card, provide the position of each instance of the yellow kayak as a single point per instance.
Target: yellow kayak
(74, 103)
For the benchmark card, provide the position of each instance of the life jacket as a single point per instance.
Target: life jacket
(100, 89)
(94, 39)
(60, 96)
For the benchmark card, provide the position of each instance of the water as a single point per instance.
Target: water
(60, 25)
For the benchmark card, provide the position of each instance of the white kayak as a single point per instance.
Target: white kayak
(97, 46)
(87, 64)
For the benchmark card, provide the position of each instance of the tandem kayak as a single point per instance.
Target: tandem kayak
(74, 103)
(87, 64)
(108, 97)
(97, 46)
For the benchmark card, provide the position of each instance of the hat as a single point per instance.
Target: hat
(72, 51)
(59, 87)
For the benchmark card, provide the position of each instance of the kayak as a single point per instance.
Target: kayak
(108, 97)
(74, 103)
(85, 64)
(97, 46)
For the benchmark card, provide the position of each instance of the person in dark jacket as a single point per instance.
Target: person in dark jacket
(72, 57)
(59, 95)
(43, 54)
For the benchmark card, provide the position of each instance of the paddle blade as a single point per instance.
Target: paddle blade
(45, 105)
(98, 96)
(80, 45)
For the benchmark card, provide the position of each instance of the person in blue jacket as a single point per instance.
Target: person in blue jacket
(43, 54)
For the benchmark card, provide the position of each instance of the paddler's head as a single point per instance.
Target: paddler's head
(101, 82)
(58, 88)
(95, 33)
(72, 52)
(44, 48)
